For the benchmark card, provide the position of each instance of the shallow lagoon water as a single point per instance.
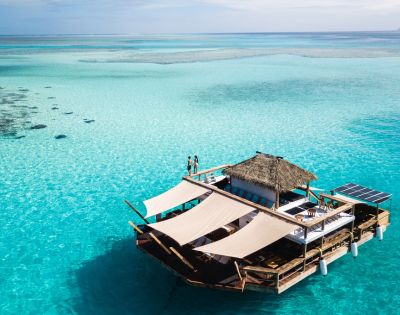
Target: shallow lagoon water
(65, 245)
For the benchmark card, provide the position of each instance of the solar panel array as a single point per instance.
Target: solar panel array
(363, 193)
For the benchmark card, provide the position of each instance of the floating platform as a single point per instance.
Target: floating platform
(265, 231)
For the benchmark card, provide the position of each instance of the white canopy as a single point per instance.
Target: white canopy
(260, 232)
(181, 193)
(214, 212)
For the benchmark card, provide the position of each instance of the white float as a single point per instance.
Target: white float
(354, 249)
(324, 267)
(379, 233)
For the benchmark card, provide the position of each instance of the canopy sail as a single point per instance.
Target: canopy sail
(260, 232)
(214, 212)
(181, 193)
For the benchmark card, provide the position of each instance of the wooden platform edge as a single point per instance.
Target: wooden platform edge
(329, 259)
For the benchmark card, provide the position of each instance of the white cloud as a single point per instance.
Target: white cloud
(247, 5)
(290, 4)
(165, 16)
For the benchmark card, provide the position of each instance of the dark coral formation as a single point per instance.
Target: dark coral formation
(17, 113)
(39, 126)
(14, 112)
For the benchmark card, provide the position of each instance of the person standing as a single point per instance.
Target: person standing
(196, 164)
(189, 165)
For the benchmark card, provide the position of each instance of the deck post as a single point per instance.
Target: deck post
(352, 223)
(276, 200)
(305, 256)
(305, 233)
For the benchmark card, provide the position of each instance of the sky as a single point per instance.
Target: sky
(195, 16)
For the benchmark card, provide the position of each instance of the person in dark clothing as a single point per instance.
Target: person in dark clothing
(189, 165)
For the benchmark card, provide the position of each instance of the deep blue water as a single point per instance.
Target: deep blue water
(327, 101)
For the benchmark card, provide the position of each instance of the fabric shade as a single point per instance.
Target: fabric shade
(214, 212)
(260, 232)
(181, 193)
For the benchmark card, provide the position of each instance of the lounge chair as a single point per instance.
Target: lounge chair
(311, 212)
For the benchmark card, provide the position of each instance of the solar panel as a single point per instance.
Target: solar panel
(363, 193)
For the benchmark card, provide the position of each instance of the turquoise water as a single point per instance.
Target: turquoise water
(330, 102)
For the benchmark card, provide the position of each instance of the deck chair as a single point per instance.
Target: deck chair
(311, 212)
(322, 205)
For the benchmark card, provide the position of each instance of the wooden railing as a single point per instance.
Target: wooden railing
(330, 214)
(265, 275)
(210, 170)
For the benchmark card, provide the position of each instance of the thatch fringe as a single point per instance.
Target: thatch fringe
(271, 172)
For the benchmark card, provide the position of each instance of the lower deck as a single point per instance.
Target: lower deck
(276, 267)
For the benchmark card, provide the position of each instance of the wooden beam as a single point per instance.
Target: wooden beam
(263, 270)
(136, 211)
(238, 270)
(183, 259)
(136, 228)
(156, 239)
(210, 170)
(247, 202)
(150, 236)
(335, 198)
(309, 191)
(313, 194)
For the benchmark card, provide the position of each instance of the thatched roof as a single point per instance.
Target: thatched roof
(271, 172)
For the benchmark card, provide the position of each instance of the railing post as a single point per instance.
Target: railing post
(305, 256)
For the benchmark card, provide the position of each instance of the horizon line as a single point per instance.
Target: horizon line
(202, 33)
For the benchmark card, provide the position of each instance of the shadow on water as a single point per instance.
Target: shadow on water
(125, 281)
